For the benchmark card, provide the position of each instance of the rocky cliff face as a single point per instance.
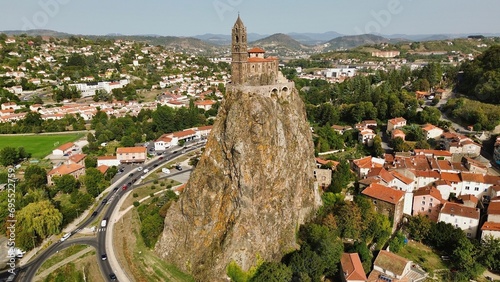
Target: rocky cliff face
(250, 191)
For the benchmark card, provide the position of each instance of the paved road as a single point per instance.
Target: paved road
(103, 242)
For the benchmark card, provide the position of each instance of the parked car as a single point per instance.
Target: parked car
(178, 167)
(165, 170)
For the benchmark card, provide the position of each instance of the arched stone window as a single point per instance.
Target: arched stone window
(237, 39)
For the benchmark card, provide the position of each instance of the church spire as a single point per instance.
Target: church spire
(239, 51)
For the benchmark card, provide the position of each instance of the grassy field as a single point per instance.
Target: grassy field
(38, 145)
(425, 257)
(61, 256)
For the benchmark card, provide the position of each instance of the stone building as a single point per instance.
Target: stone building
(250, 67)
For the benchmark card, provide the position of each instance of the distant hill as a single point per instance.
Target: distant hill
(225, 39)
(353, 41)
(37, 32)
(314, 38)
(279, 40)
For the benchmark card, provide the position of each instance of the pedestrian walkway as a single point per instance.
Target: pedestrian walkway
(67, 260)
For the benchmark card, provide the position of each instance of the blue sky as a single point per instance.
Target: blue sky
(194, 17)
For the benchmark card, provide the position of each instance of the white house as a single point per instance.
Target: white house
(366, 136)
(432, 131)
(63, 149)
(395, 123)
(465, 218)
(108, 161)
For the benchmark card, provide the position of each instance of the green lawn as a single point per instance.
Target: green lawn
(38, 145)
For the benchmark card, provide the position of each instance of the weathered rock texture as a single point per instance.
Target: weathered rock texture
(251, 189)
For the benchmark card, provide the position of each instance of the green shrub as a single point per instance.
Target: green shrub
(135, 195)
(136, 204)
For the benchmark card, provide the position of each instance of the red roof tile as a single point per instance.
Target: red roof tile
(383, 193)
(460, 210)
(352, 267)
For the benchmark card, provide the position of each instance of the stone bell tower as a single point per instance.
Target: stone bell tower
(239, 52)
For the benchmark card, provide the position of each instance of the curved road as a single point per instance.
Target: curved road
(27, 272)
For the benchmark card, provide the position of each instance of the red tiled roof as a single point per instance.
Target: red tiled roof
(452, 177)
(397, 120)
(494, 208)
(122, 150)
(472, 177)
(77, 157)
(381, 173)
(106, 158)
(256, 50)
(429, 191)
(208, 127)
(383, 193)
(352, 267)
(491, 226)
(164, 138)
(184, 133)
(492, 179)
(103, 168)
(326, 162)
(65, 169)
(65, 147)
(402, 178)
(460, 210)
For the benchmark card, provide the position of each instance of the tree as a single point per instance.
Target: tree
(419, 227)
(272, 272)
(8, 156)
(40, 219)
(127, 141)
(397, 242)
(464, 258)
(308, 262)
(90, 161)
(94, 181)
(349, 221)
(341, 177)
(378, 151)
(66, 183)
(328, 246)
(35, 176)
(489, 255)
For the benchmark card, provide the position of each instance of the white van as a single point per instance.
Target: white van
(104, 222)
(66, 236)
